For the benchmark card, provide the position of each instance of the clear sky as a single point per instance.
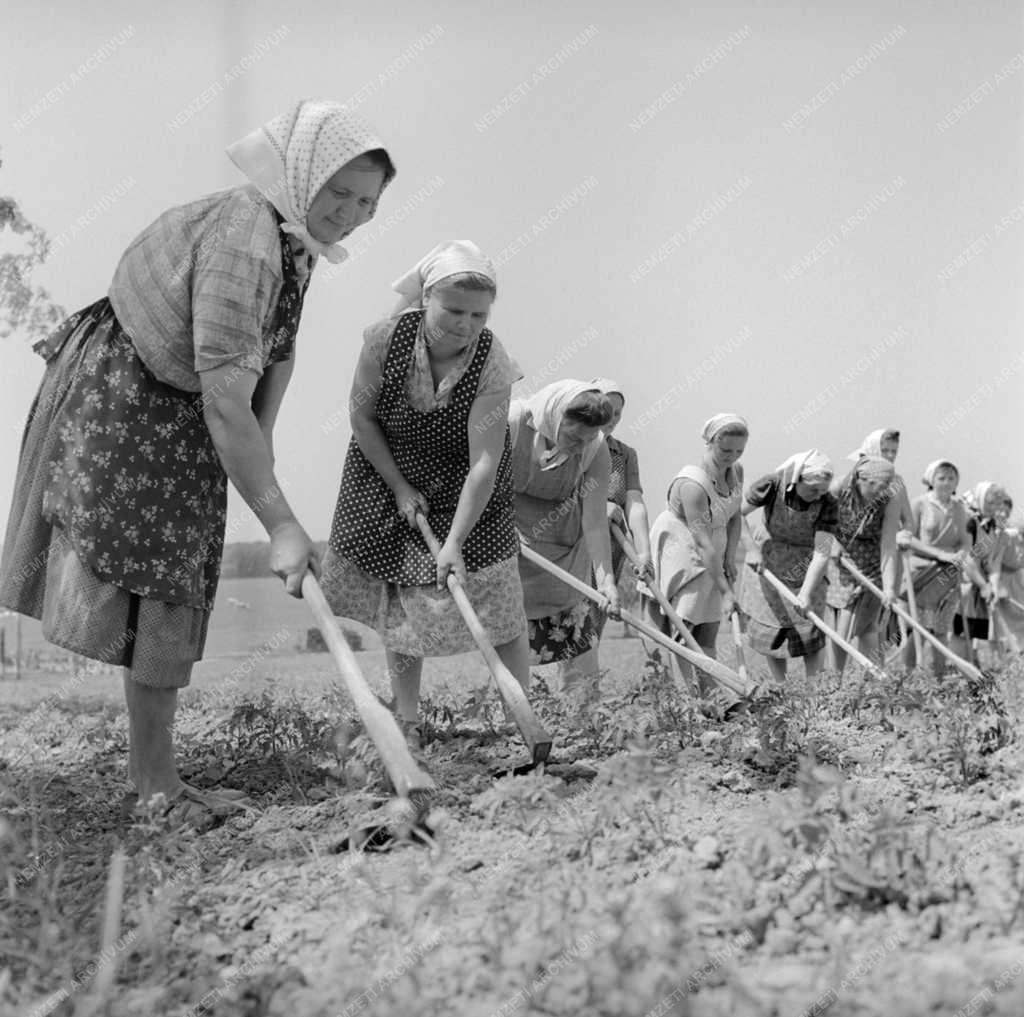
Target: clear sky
(811, 214)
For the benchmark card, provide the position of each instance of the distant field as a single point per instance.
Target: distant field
(273, 623)
(263, 646)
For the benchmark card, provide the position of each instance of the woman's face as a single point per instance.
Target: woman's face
(944, 482)
(574, 436)
(812, 490)
(727, 448)
(345, 202)
(995, 503)
(872, 488)
(617, 404)
(454, 318)
(890, 448)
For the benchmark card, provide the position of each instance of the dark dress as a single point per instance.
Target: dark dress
(432, 452)
(378, 570)
(859, 531)
(775, 628)
(117, 524)
(623, 478)
(988, 543)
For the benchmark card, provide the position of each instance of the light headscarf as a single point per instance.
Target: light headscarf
(608, 387)
(871, 446)
(980, 492)
(809, 466)
(547, 408)
(928, 479)
(452, 257)
(447, 259)
(290, 158)
(715, 425)
(874, 468)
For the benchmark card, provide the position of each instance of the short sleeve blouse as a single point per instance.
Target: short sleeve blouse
(675, 491)
(764, 491)
(499, 372)
(198, 289)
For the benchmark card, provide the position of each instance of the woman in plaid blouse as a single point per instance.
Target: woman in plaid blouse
(157, 394)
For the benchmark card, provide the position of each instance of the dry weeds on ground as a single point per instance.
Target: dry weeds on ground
(845, 848)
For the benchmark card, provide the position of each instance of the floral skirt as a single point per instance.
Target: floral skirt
(423, 621)
(117, 521)
(562, 636)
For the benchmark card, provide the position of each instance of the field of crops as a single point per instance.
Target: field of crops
(850, 848)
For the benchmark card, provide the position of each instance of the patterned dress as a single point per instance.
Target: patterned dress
(937, 584)
(379, 571)
(859, 531)
(989, 544)
(549, 514)
(117, 525)
(624, 477)
(775, 628)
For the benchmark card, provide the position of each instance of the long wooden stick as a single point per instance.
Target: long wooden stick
(737, 642)
(968, 641)
(787, 594)
(381, 725)
(538, 741)
(663, 602)
(912, 601)
(958, 662)
(719, 672)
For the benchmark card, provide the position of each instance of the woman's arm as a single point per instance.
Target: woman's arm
(823, 544)
(488, 418)
(732, 539)
(595, 524)
(697, 516)
(640, 528)
(906, 517)
(369, 436)
(890, 526)
(227, 395)
(266, 400)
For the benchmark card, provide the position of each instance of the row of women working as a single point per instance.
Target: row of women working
(431, 442)
(157, 394)
(842, 549)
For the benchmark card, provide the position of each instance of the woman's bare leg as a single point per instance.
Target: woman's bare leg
(814, 662)
(404, 672)
(843, 624)
(150, 738)
(515, 655)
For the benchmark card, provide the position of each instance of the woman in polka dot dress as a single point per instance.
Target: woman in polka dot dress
(429, 412)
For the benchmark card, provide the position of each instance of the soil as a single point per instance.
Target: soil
(840, 847)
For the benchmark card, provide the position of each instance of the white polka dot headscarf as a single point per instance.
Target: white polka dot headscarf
(290, 158)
